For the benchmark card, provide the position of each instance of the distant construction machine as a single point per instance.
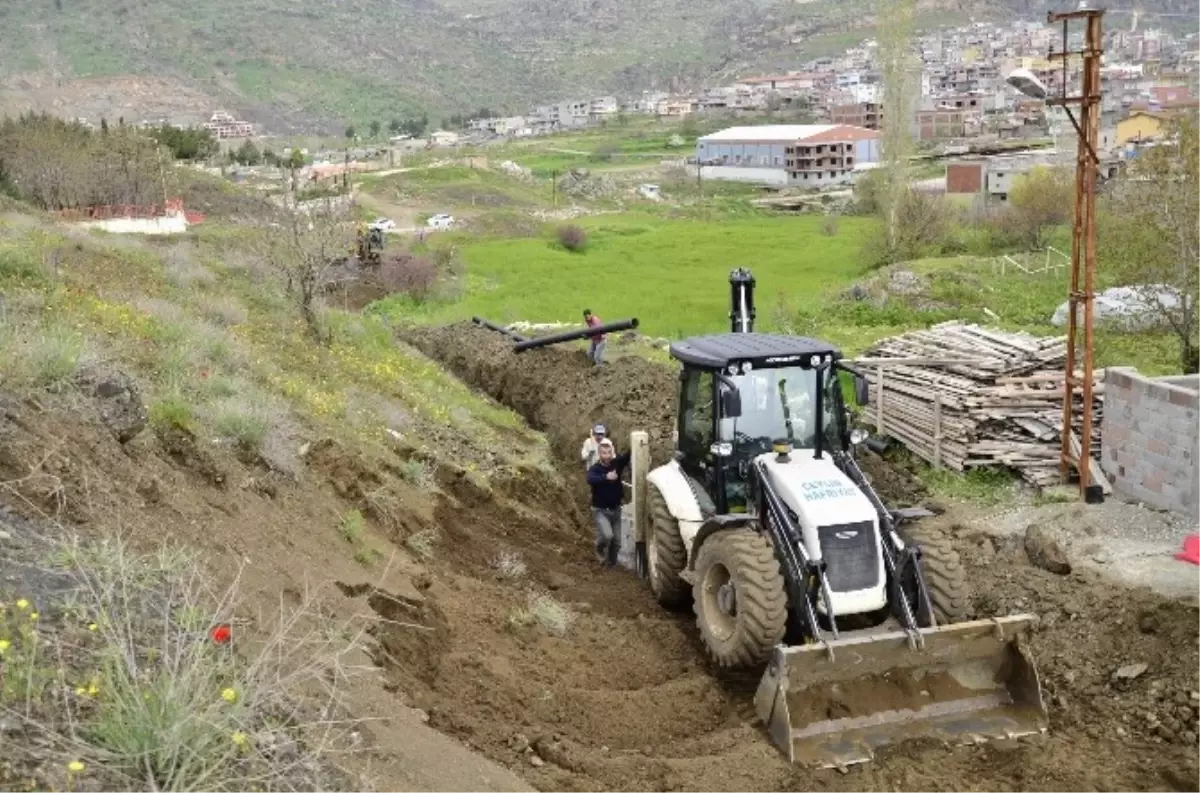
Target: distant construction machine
(764, 523)
(369, 244)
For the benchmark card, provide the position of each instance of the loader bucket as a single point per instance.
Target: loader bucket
(833, 705)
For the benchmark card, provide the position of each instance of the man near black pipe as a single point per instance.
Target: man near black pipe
(596, 348)
(604, 478)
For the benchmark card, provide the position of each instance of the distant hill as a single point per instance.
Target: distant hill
(304, 65)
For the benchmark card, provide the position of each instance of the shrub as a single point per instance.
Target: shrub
(352, 526)
(829, 226)
(408, 274)
(172, 413)
(245, 425)
(573, 238)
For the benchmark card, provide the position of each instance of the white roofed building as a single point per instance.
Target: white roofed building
(787, 155)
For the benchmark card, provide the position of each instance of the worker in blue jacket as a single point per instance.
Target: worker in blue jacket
(604, 478)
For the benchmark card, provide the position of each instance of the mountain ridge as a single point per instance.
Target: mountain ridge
(299, 68)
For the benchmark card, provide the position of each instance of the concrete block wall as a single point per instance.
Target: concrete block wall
(1150, 437)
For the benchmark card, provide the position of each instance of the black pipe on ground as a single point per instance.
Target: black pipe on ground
(571, 335)
(498, 328)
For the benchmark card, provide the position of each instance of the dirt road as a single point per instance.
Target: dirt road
(623, 700)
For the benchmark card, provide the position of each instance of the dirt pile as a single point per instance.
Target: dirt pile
(556, 389)
(623, 699)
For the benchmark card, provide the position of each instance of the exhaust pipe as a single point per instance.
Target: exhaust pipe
(571, 335)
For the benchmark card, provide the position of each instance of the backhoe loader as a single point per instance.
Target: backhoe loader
(765, 525)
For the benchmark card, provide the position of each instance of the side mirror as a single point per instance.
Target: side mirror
(862, 391)
(858, 436)
(731, 403)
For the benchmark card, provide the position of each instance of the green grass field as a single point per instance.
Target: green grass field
(670, 274)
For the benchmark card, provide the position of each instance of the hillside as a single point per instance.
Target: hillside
(305, 67)
(296, 66)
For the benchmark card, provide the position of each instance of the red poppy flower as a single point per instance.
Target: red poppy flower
(221, 634)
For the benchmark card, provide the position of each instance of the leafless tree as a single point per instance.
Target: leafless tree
(301, 245)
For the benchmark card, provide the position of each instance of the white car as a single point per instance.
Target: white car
(440, 221)
(383, 224)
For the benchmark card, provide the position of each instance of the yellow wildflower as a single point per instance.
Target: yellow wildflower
(238, 738)
(80, 691)
(22, 604)
(4, 645)
(93, 626)
(33, 615)
(75, 766)
(93, 689)
(229, 695)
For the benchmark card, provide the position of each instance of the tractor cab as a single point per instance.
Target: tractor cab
(743, 395)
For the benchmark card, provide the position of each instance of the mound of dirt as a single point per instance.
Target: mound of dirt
(556, 389)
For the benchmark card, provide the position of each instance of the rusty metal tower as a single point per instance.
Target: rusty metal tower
(1077, 452)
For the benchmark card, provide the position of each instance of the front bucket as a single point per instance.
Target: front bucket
(834, 705)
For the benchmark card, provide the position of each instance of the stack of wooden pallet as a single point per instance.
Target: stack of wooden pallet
(963, 396)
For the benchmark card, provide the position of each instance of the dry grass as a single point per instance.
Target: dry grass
(544, 610)
(422, 543)
(39, 354)
(125, 682)
(509, 565)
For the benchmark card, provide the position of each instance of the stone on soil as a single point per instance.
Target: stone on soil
(120, 402)
(1044, 547)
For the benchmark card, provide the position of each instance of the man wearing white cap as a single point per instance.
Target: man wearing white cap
(591, 446)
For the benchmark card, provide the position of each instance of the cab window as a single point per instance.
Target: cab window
(696, 415)
(832, 412)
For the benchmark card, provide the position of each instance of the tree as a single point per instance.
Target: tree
(247, 154)
(899, 67)
(300, 248)
(58, 164)
(350, 132)
(375, 127)
(1150, 236)
(395, 125)
(186, 143)
(1039, 201)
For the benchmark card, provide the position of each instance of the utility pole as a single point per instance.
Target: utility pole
(1083, 236)
(554, 188)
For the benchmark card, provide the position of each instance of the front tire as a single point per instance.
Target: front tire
(739, 598)
(666, 555)
(945, 576)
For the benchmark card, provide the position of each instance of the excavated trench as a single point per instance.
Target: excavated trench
(623, 699)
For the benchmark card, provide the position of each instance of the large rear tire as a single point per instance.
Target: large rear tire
(739, 597)
(945, 576)
(666, 554)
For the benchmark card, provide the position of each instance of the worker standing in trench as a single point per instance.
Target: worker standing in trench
(604, 478)
(596, 347)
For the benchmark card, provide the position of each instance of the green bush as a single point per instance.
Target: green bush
(172, 412)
